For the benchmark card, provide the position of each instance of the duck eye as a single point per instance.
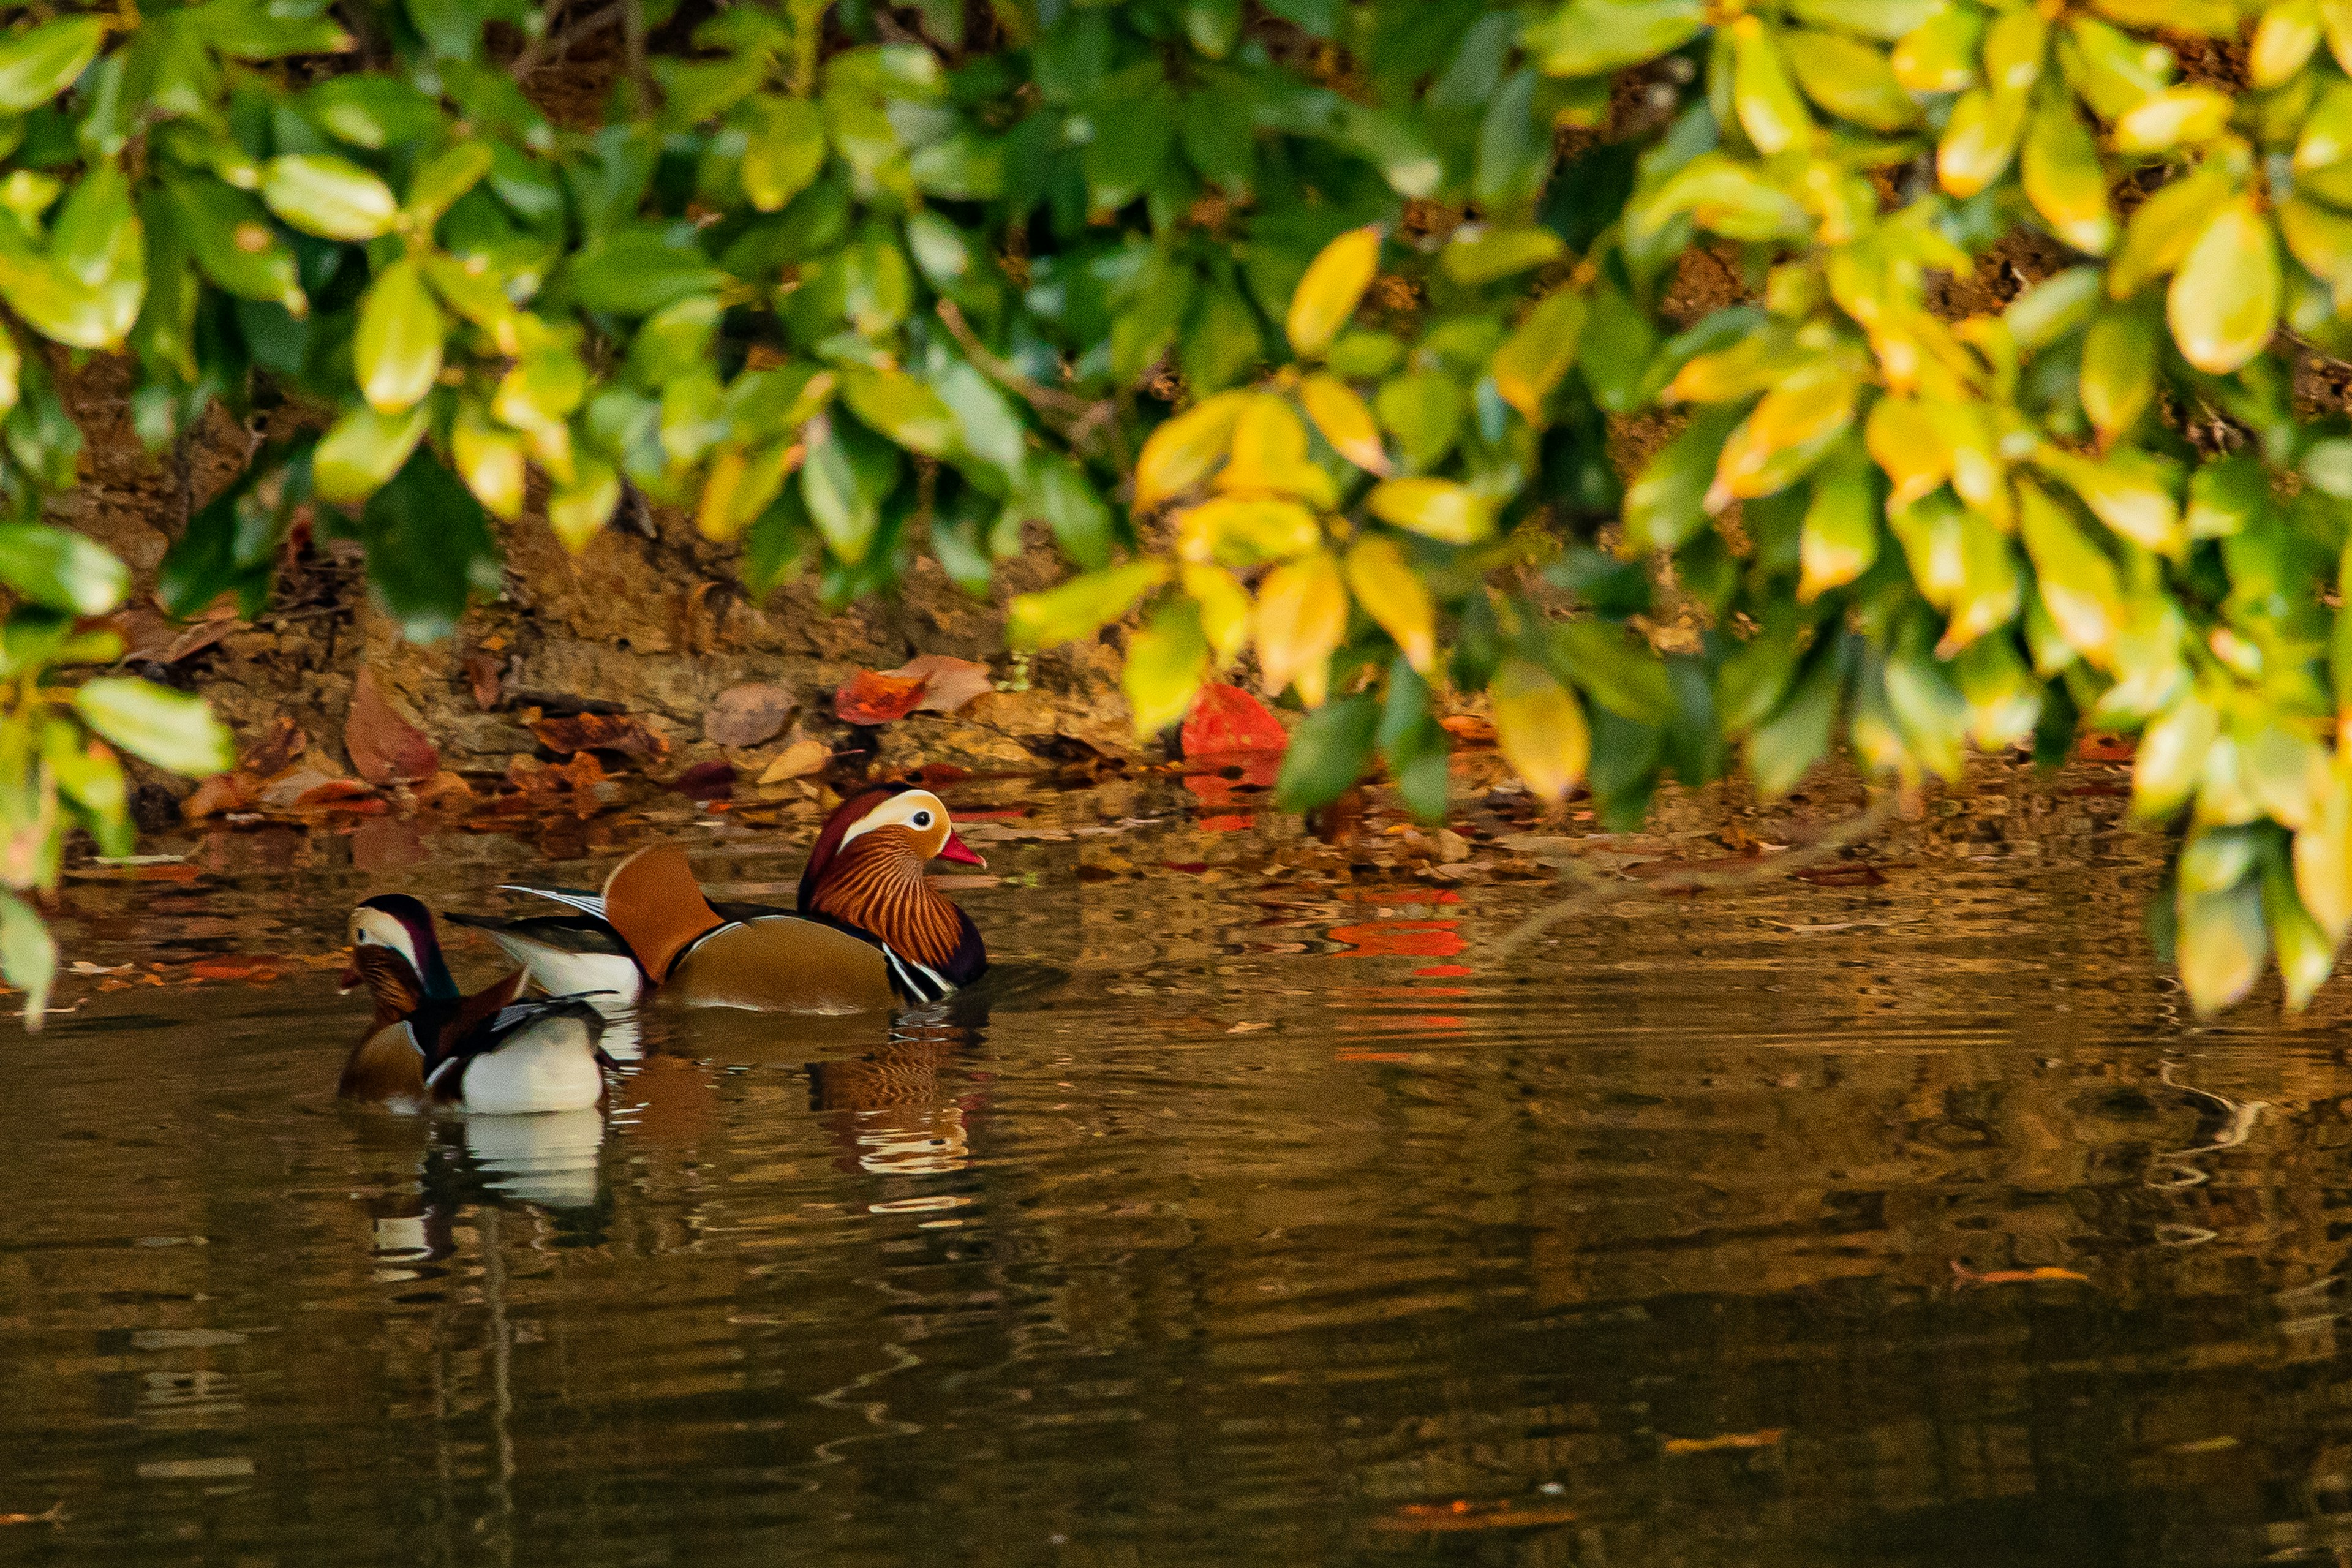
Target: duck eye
(922, 820)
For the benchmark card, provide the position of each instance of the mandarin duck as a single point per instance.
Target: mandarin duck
(867, 932)
(428, 1043)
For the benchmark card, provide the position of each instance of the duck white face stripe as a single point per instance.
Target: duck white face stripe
(373, 928)
(915, 809)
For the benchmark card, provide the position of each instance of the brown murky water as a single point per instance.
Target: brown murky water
(1260, 1217)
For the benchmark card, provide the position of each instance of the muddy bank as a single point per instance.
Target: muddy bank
(650, 627)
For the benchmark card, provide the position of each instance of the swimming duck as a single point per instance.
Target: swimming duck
(429, 1043)
(867, 930)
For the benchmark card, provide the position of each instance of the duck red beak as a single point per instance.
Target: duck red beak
(957, 850)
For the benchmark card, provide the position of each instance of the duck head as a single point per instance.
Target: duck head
(395, 952)
(866, 871)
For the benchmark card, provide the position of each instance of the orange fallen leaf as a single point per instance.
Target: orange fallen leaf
(871, 696)
(1965, 1278)
(1764, 1440)
(1226, 722)
(1420, 1518)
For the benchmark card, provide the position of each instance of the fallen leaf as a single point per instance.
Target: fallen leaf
(871, 696)
(748, 715)
(1227, 824)
(338, 794)
(444, 791)
(948, 683)
(2105, 748)
(1431, 1518)
(202, 635)
(1225, 721)
(385, 748)
(282, 790)
(713, 780)
(1469, 729)
(276, 751)
(233, 968)
(222, 791)
(619, 732)
(1963, 1277)
(797, 761)
(482, 677)
(1764, 1440)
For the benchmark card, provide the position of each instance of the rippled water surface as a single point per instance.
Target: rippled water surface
(1264, 1215)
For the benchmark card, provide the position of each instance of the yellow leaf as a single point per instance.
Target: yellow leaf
(2283, 43)
(2066, 181)
(1905, 440)
(1081, 607)
(1302, 614)
(1245, 531)
(2224, 302)
(2323, 860)
(1980, 140)
(1225, 609)
(1435, 508)
(1167, 660)
(1334, 286)
(740, 488)
(1182, 452)
(490, 461)
(1345, 421)
(1811, 406)
(1538, 357)
(1762, 92)
(396, 351)
(2175, 117)
(1392, 594)
(1540, 727)
(578, 511)
(1270, 453)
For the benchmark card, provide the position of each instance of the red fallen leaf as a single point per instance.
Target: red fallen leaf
(1444, 971)
(1227, 824)
(948, 683)
(337, 794)
(178, 871)
(482, 677)
(748, 715)
(600, 732)
(1400, 939)
(385, 748)
(1226, 720)
(2104, 748)
(706, 781)
(942, 773)
(871, 696)
(1418, 1518)
(1842, 877)
(222, 791)
(281, 791)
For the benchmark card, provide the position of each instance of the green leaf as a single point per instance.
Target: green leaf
(1784, 749)
(1328, 753)
(428, 548)
(1081, 607)
(169, 729)
(1167, 660)
(328, 196)
(28, 956)
(62, 570)
(40, 62)
(229, 235)
(442, 179)
(784, 153)
(904, 409)
(1592, 38)
(1058, 494)
(397, 353)
(2224, 301)
(636, 271)
(363, 450)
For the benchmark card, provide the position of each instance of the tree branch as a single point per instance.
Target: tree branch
(1595, 893)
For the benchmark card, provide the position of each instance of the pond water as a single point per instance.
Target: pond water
(1264, 1215)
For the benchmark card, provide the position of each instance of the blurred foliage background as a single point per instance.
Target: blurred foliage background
(1352, 339)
